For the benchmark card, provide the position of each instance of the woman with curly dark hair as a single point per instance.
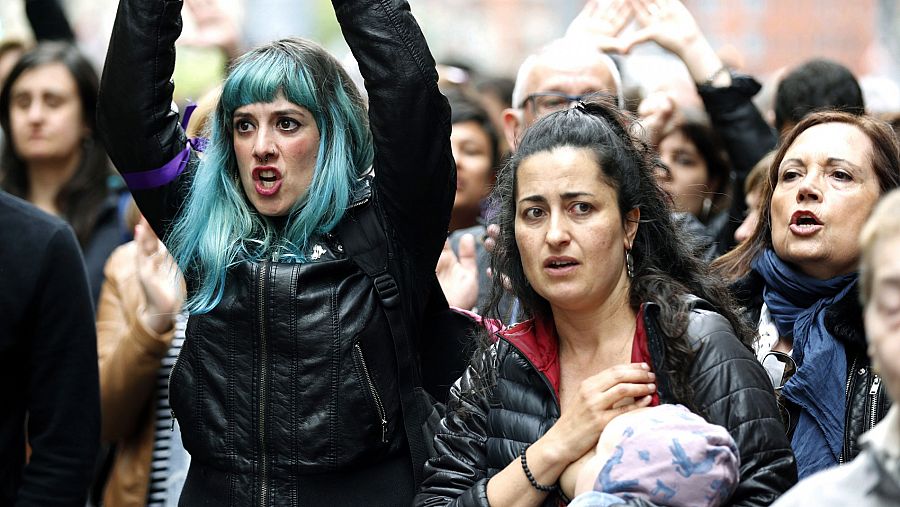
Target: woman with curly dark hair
(622, 316)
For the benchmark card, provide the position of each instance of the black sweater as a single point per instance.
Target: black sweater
(48, 361)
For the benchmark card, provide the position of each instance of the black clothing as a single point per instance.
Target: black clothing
(48, 361)
(484, 431)
(287, 391)
(747, 139)
(48, 21)
(867, 399)
(108, 233)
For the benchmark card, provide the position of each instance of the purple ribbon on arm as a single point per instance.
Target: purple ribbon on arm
(155, 178)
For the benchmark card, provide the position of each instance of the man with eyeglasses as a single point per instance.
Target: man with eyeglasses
(558, 76)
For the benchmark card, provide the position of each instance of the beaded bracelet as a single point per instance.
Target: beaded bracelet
(538, 486)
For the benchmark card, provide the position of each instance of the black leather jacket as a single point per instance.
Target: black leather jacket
(485, 431)
(287, 391)
(747, 139)
(867, 399)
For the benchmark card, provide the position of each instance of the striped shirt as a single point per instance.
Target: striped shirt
(167, 448)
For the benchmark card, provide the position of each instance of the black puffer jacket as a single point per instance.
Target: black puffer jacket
(867, 399)
(730, 388)
(287, 391)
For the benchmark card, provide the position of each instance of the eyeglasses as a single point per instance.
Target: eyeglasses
(780, 367)
(544, 103)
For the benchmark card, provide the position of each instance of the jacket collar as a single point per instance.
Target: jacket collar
(537, 341)
(883, 444)
(884, 438)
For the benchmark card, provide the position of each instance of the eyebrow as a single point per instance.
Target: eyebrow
(280, 112)
(890, 281)
(39, 93)
(565, 196)
(828, 161)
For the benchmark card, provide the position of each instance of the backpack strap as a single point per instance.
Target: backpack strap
(364, 238)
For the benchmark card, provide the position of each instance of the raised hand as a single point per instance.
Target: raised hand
(655, 114)
(490, 243)
(600, 22)
(600, 398)
(159, 279)
(458, 275)
(666, 22)
(214, 27)
(670, 24)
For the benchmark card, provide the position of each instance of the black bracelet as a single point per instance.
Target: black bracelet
(538, 486)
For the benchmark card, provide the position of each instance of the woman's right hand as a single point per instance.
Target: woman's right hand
(600, 398)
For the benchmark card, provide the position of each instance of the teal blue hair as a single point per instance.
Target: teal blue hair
(218, 227)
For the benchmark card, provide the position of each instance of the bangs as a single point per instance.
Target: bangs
(260, 76)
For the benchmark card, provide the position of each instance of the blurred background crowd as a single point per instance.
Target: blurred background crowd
(690, 106)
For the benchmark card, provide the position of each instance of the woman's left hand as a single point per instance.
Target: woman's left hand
(159, 280)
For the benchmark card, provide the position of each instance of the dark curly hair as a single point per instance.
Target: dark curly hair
(665, 268)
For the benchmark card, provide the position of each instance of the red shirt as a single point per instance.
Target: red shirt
(538, 341)
(640, 350)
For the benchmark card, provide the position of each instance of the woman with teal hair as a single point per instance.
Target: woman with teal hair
(299, 379)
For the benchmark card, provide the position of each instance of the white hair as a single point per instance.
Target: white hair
(564, 53)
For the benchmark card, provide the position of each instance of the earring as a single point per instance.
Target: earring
(629, 264)
(707, 208)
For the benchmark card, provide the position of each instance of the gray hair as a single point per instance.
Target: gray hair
(568, 49)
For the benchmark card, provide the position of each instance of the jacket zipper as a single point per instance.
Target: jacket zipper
(850, 376)
(172, 410)
(374, 392)
(171, 374)
(873, 393)
(263, 360)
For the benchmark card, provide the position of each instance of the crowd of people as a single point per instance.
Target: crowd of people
(431, 287)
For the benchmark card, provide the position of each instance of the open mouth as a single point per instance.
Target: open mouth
(805, 218)
(805, 222)
(267, 180)
(560, 264)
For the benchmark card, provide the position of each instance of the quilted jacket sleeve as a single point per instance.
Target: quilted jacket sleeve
(457, 476)
(732, 390)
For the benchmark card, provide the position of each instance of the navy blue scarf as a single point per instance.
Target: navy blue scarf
(797, 303)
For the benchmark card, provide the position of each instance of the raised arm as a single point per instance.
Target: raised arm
(135, 119)
(410, 120)
(726, 96)
(135, 326)
(48, 20)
